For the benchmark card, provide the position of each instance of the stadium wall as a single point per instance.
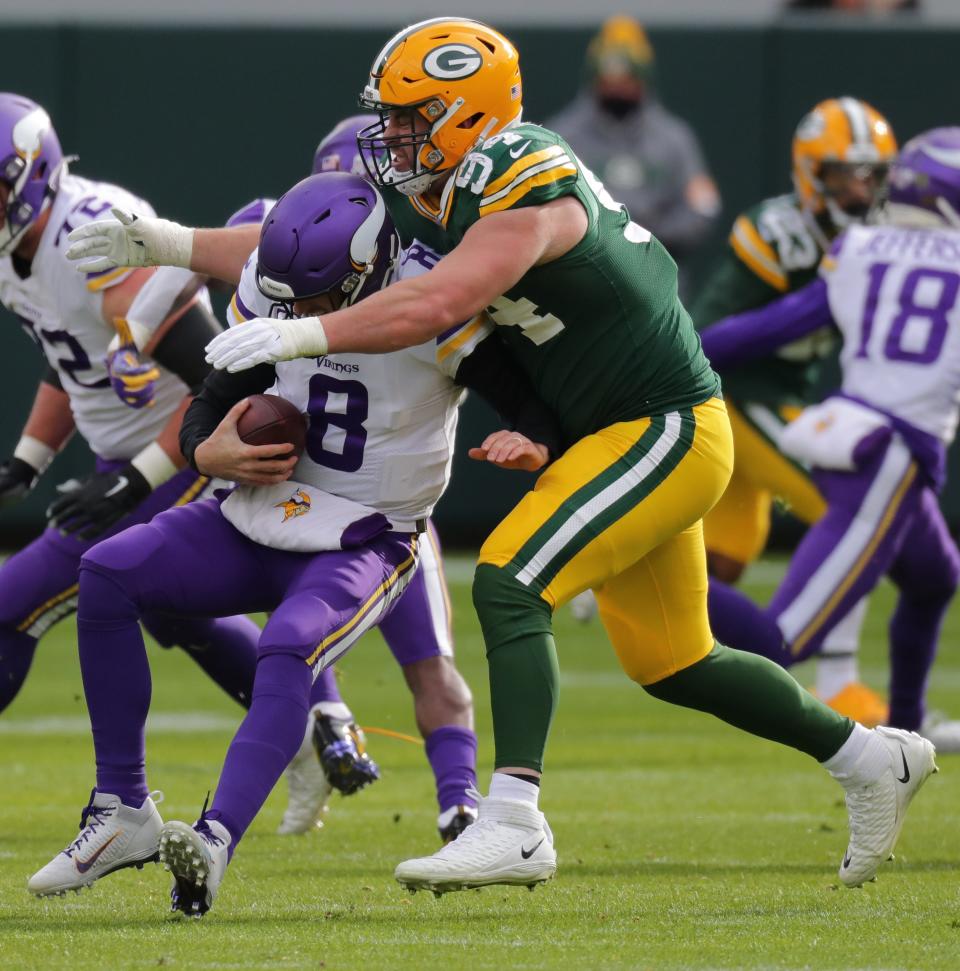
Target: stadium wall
(199, 121)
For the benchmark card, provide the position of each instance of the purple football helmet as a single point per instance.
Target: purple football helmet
(329, 232)
(925, 179)
(337, 151)
(31, 162)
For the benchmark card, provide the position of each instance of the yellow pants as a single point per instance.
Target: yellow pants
(620, 512)
(738, 525)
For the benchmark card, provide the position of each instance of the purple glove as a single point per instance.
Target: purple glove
(134, 380)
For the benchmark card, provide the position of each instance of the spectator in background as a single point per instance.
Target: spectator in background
(647, 158)
(855, 6)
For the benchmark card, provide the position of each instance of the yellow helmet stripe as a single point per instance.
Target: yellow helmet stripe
(758, 254)
(524, 163)
(549, 172)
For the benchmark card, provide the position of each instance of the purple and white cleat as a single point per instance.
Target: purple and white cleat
(112, 836)
(197, 858)
(342, 749)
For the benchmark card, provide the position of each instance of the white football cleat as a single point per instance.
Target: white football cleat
(510, 843)
(876, 809)
(584, 607)
(197, 857)
(112, 836)
(308, 788)
(944, 732)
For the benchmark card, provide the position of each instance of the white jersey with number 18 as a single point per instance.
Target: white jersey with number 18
(895, 295)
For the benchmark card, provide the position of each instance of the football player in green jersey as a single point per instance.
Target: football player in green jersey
(841, 150)
(588, 302)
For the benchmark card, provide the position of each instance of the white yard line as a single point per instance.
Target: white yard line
(163, 723)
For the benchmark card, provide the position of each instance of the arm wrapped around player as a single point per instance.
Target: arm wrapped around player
(130, 240)
(533, 437)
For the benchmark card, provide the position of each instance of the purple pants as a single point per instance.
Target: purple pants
(38, 587)
(191, 561)
(883, 519)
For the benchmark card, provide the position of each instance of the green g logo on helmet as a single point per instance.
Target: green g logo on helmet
(452, 62)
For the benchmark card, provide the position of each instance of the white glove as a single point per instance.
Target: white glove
(264, 340)
(130, 241)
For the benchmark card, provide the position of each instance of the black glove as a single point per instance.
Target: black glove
(17, 478)
(89, 508)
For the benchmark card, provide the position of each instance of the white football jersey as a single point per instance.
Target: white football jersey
(895, 295)
(61, 309)
(381, 426)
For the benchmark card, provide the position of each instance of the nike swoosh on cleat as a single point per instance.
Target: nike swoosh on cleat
(906, 768)
(84, 865)
(526, 854)
(846, 861)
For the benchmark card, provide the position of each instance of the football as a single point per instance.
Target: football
(272, 420)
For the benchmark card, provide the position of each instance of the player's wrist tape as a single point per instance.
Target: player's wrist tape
(172, 244)
(154, 465)
(301, 337)
(34, 452)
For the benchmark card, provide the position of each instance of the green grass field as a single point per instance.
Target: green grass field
(682, 843)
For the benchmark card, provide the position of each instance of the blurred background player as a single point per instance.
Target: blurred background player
(841, 151)
(878, 446)
(647, 157)
(418, 631)
(327, 243)
(139, 468)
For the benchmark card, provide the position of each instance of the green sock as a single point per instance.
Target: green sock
(753, 693)
(524, 675)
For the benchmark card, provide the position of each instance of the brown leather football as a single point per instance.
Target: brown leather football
(272, 420)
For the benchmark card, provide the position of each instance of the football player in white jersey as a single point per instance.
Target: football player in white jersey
(418, 632)
(327, 542)
(139, 468)
(878, 446)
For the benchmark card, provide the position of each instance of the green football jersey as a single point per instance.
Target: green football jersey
(600, 331)
(771, 251)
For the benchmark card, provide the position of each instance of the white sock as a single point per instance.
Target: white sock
(835, 673)
(334, 709)
(860, 759)
(504, 786)
(837, 664)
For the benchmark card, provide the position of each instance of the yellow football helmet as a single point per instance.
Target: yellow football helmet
(460, 77)
(621, 46)
(842, 150)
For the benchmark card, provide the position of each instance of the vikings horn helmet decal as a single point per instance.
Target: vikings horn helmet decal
(329, 232)
(924, 184)
(31, 163)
